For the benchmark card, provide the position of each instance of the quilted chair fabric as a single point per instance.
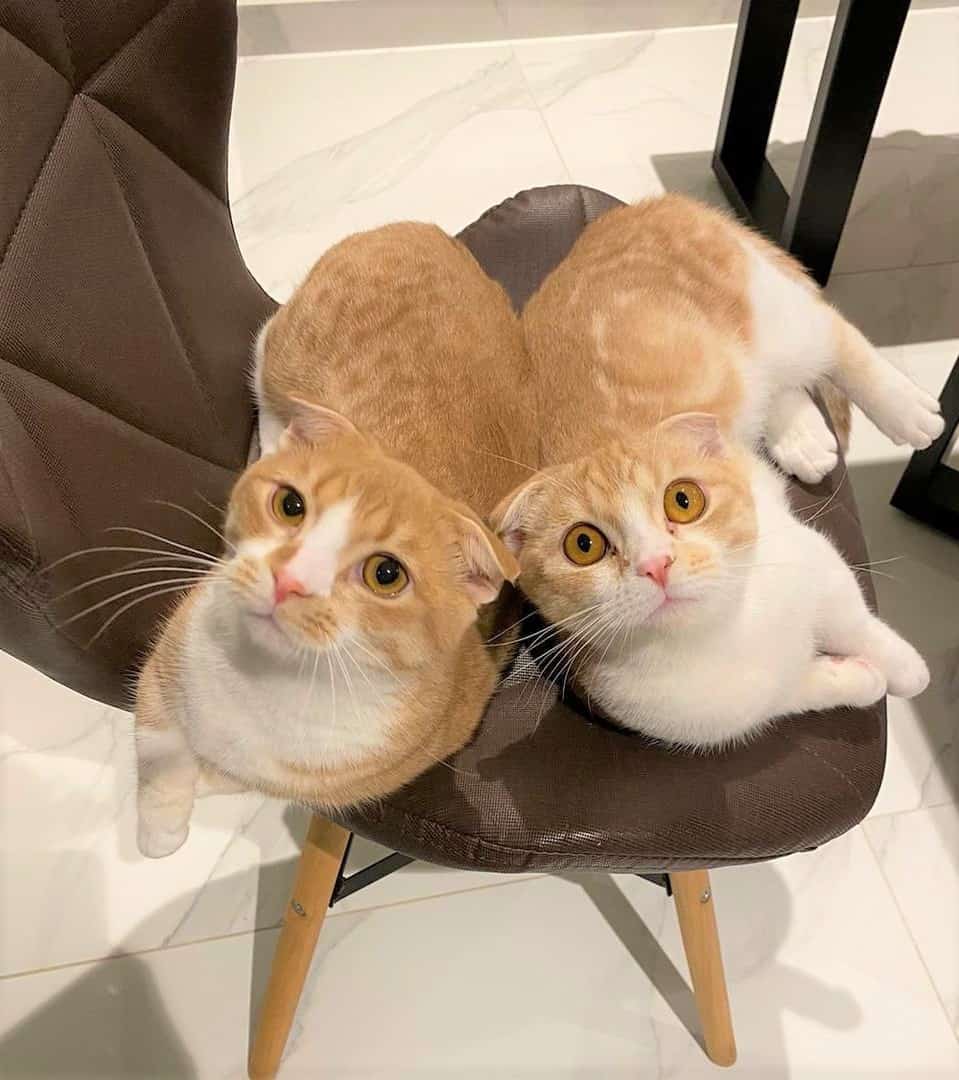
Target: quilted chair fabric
(126, 313)
(126, 319)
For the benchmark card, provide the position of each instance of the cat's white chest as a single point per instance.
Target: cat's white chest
(254, 711)
(715, 685)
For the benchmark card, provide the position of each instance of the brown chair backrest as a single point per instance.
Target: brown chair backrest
(127, 314)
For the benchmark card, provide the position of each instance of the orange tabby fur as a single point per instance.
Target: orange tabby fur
(606, 365)
(401, 331)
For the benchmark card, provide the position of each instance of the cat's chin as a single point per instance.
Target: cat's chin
(267, 632)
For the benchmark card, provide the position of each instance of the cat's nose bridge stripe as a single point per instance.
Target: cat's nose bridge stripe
(643, 537)
(317, 560)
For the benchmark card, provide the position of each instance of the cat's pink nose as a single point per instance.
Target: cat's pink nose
(285, 584)
(656, 568)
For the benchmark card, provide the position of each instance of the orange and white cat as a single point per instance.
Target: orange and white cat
(688, 602)
(333, 652)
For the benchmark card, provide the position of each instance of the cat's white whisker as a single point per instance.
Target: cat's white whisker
(182, 583)
(376, 659)
(212, 505)
(196, 517)
(132, 603)
(312, 686)
(126, 573)
(163, 552)
(523, 465)
(333, 709)
(369, 682)
(162, 539)
(346, 679)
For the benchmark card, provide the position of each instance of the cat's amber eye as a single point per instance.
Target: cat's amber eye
(584, 544)
(385, 575)
(684, 502)
(288, 505)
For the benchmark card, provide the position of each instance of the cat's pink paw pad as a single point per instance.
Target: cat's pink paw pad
(157, 843)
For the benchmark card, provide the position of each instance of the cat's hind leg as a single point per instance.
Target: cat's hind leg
(167, 775)
(847, 628)
(831, 682)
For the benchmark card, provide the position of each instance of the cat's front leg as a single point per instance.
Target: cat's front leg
(167, 774)
(798, 438)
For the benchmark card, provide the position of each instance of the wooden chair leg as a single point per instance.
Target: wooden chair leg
(315, 877)
(697, 924)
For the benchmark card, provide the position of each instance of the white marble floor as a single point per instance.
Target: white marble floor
(843, 962)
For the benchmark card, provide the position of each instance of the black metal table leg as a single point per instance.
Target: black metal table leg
(755, 76)
(861, 51)
(809, 221)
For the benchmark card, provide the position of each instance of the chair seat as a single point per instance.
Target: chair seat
(543, 787)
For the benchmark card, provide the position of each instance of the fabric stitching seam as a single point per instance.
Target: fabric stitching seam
(198, 382)
(492, 845)
(33, 187)
(23, 510)
(33, 52)
(124, 44)
(176, 164)
(120, 420)
(66, 41)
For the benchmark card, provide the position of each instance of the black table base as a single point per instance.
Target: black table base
(807, 221)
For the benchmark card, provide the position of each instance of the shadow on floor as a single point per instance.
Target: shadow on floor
(902, 229)
(918, 595)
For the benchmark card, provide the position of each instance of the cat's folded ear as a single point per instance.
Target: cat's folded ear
(485, 561)
(509, 516)
(315, 424)
(700, 428)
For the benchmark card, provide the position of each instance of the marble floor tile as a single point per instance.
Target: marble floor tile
(298, 26)
(266, 29)
(919, 856)
(915, 571)
(73, 886)
(622, 121)
(318, 150)
(581, 977)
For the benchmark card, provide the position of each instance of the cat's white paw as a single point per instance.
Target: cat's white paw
(855, 680)
(807, 451)
(905, 413)
(906, 671)
(798, 438)
(156, 842)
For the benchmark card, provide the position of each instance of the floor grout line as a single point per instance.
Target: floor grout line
(208, 939)
(890, 269)
(542, 114)
(912, 810)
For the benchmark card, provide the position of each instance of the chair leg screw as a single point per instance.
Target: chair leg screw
(298, 908)
(706, 897)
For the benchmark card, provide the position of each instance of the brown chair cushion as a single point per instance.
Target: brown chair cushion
(126, 319)
(542, 787)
